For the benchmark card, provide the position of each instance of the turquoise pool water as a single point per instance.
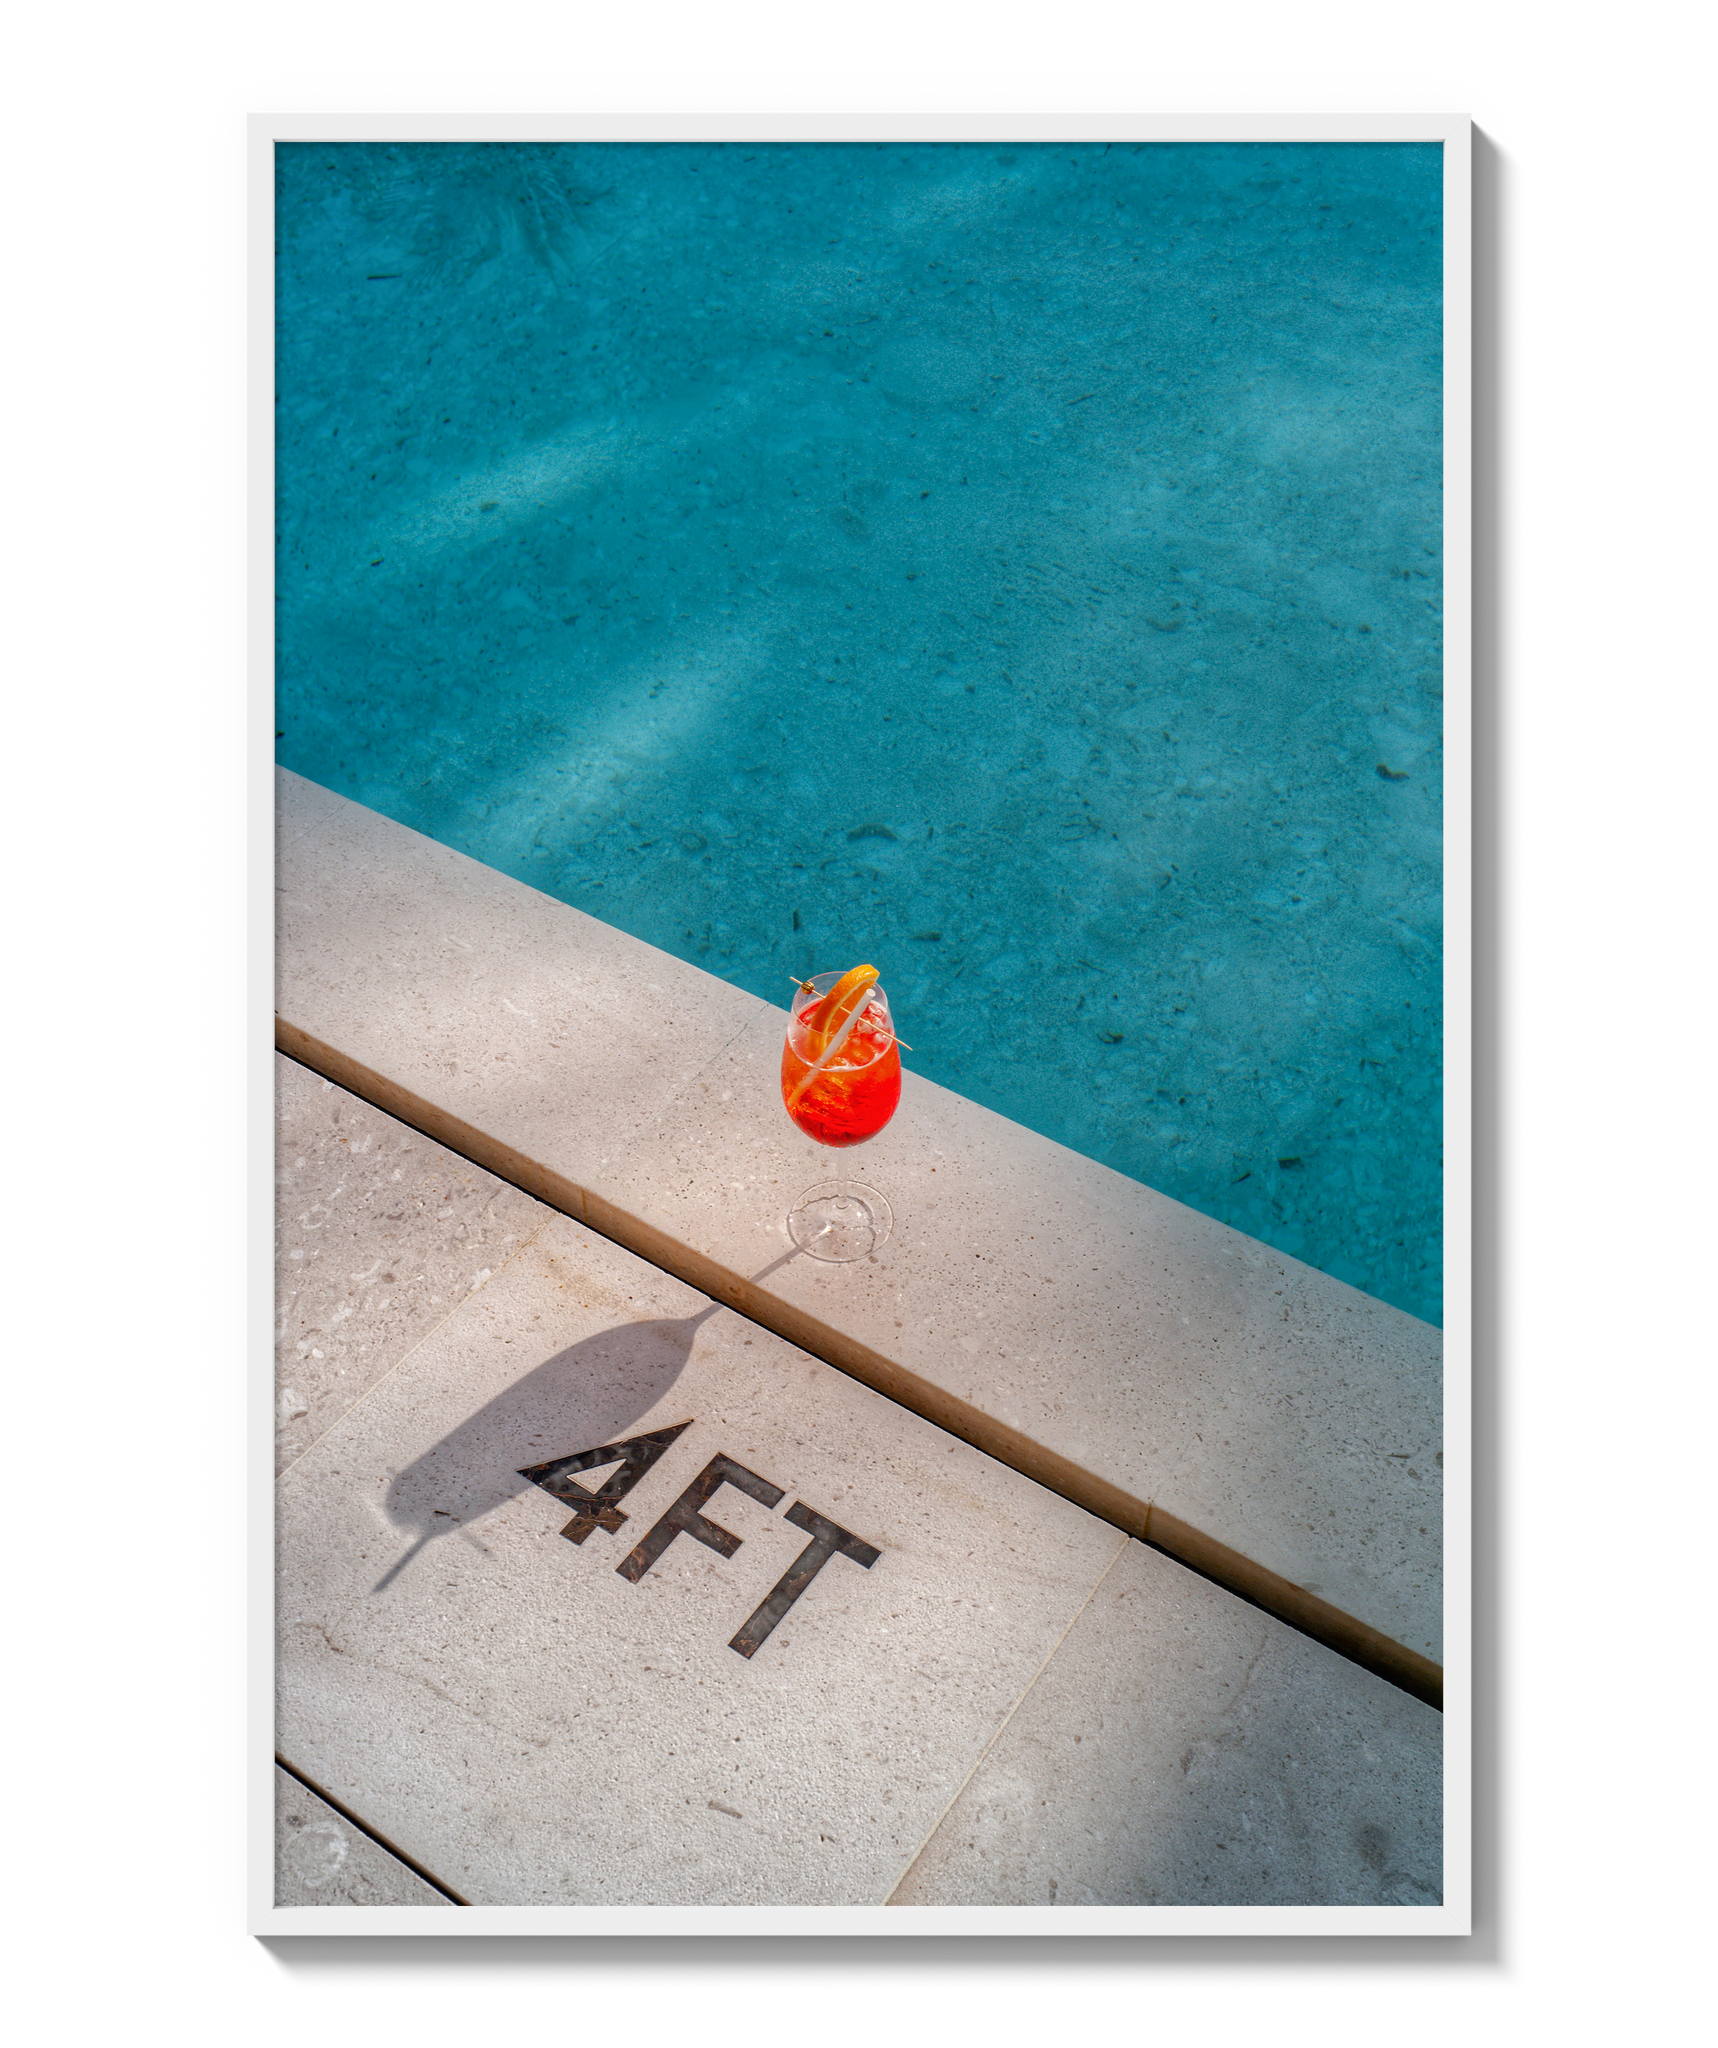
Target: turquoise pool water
(1017, 566)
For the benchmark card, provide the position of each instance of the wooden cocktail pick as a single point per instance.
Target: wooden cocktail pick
(805, 988)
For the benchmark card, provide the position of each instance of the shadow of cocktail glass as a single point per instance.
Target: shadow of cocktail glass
(590, 1394)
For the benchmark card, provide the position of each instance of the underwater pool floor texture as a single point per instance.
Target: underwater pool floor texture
(1016, 566)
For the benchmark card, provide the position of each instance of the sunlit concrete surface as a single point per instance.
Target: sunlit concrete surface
(379, 1234)
(980, 1695)
(321, 1859)
(538, 1729)
(1282, 1413)
(1184, 1749)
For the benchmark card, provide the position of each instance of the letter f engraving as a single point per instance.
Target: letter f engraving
(684, 1518)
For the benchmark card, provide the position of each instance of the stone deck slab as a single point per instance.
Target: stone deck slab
(1181, 1748)
(1034, 1301)
(379, 1234)
(534, 1727)
(321, 1859)
(1293, 1417)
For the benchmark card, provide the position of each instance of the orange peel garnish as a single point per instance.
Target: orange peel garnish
(847, 996)
(807, 989)
(831, 1023)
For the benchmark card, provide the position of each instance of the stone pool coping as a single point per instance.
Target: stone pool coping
(1259, 1421)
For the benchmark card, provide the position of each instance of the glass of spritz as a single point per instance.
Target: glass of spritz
(840, 1082)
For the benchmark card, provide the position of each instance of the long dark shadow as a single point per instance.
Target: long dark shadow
(588, 1395)
(1238, 1574)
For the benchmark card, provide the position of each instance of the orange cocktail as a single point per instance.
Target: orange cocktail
(840, 1082)
(855, 1094)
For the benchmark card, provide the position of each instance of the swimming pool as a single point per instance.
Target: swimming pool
(1017, 566)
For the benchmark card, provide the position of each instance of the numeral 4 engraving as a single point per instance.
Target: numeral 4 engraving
(598, 1510)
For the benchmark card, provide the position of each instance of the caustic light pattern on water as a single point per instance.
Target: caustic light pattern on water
(1018, 566)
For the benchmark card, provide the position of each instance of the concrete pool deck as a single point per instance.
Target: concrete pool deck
(1035, 1317)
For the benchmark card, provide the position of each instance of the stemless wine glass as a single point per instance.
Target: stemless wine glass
(840, 1087)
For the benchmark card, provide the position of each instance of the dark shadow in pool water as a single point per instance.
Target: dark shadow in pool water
(589, 1394)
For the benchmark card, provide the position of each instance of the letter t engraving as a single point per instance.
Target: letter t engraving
(826, 1540)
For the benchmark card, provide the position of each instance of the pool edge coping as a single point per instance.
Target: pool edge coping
(1256, 1583)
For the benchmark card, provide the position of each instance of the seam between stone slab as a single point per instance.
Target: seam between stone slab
(411, 1352)
(1002, 1727)
(370, 1834)
(1249, 1580)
